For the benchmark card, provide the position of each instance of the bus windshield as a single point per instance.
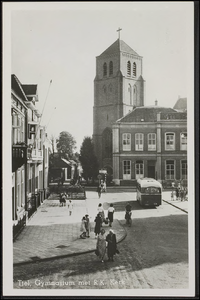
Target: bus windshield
(151, 190)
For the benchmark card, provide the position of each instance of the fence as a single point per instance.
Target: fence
(73, 191)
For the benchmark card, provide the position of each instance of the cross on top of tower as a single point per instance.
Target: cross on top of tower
(119, 29)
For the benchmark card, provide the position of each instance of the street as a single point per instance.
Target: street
(154, 254)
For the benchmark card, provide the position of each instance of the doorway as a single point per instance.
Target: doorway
(151, 169)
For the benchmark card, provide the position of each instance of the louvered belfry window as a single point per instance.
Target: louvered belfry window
(110, 68)
(128, 68)
(134, 69)
(104, 69)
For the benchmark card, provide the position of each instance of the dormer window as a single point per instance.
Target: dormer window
(134, 69)
(128, 68)
(110, 68)
(104, 69)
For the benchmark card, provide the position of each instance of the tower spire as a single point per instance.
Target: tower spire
(119, 29)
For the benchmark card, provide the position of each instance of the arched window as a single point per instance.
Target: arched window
(134, 69)
(104, 89)
(110, 68)
(128, 68)
(104, 69)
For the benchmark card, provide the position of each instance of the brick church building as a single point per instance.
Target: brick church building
(118, 87)
(132, 140)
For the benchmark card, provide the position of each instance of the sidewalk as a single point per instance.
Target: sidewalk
(183, 205)
(52, 233)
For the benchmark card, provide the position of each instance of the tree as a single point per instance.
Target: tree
(66, 144)
(88, 159)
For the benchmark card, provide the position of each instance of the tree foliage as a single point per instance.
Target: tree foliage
(66, 145)
(88, 159)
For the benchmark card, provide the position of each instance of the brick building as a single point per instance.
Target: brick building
(118, 87)
(150, 141)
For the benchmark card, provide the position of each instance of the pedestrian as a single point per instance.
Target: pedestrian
(70, 207)
(98, 224)
(110, 214)
(87, 225)
(83, 228)
(101, 212)
(101, 245)
(177, 193)
(182, 194)
(112, 245)
(99, 191)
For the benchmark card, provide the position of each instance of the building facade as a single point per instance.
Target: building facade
(29, 161)
(118, 87)
(151, 142)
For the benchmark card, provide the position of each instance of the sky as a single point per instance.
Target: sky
(60, 42)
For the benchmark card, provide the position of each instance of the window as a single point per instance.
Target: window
(14, 127)
(130, 94)
(151, 141)
(18, 129)
(139, 169)
(104, 89)
(128, 68)
(22, 131)
(184, 169)
(126, 141)
(110, 68)
(183, 141)
(139, 137)
(127, 169)
(134, 69)
(105, 69)
(169, 169)
(169, 141)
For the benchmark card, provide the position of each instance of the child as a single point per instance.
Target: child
(83, 228)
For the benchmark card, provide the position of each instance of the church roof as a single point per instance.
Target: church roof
(181, 104)
(118, 46)
(145, 113)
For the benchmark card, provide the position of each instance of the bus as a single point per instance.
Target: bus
(149, 192)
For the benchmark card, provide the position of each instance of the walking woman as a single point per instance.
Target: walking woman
(98, 224)
(110, 214)
(101, 211)
(101, 244)
(112, 244)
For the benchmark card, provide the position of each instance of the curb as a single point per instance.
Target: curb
(70, 254)
(176, 206)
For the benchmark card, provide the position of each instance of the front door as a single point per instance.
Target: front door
(151, 169)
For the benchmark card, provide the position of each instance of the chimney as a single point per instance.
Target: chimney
(156, 102)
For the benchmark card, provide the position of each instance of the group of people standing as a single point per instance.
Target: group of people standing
(65, 201)
(106, 242)
(180, 192)
(100, 218)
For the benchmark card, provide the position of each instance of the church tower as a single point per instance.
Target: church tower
(118, 87)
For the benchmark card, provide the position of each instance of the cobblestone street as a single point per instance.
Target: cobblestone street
(154, 255)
